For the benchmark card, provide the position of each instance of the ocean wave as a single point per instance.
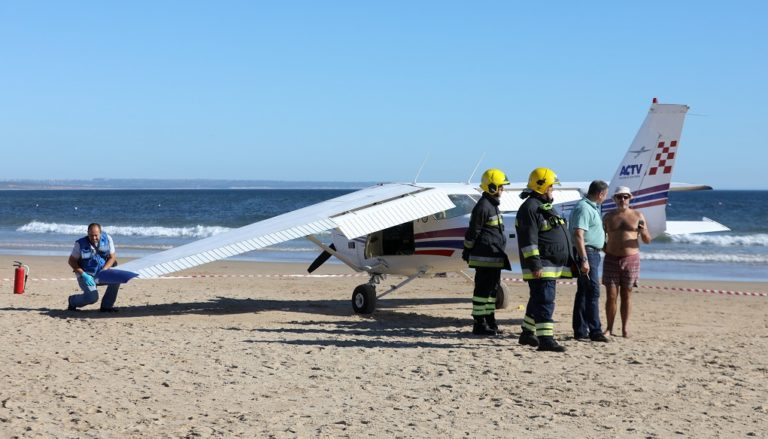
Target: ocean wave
(756, 240)
(705, 257)
(280, 249)
(154, 231)
(35, 245)
(68, 245)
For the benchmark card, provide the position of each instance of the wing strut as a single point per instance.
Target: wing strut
(403, 283)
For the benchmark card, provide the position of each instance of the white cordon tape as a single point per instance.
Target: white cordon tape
(198, 276)
(510, 279)
(687, 290)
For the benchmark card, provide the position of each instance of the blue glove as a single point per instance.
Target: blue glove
(88, 279)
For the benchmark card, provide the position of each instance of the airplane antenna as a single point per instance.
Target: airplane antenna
(420, 168)
(476, 166)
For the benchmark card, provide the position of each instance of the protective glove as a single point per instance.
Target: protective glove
(88, 279)
(465, 255)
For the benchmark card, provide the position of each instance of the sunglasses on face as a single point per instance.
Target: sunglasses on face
(622, 197)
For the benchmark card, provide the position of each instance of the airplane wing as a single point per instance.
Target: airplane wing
(685, 227)
(583, 186)
(682, 187)
(356, 214)
(511, 201)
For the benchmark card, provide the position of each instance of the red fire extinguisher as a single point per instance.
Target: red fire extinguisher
(20, 280)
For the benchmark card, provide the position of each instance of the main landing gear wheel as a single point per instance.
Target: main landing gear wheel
(364, 299)
(502, 297)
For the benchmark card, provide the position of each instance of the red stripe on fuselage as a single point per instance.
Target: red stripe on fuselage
(459, 232)
(434, 252)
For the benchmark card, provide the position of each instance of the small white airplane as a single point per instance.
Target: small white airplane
(417, 230)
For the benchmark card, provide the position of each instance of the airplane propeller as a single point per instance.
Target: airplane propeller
(320, 260)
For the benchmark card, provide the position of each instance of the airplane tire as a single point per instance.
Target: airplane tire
(364, 299)
(502, 297)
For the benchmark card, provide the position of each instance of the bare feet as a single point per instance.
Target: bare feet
(625, 333)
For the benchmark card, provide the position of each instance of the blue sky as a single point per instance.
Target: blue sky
(366, 91)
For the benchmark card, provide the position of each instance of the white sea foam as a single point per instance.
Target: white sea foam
(756, 240)
(165, 232)
(279, 248)
(68, 245)
(705, 257)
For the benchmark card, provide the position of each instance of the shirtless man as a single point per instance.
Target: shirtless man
(624, 228)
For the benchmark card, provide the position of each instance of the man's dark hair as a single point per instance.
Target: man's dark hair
(596, 187)
(94, 225)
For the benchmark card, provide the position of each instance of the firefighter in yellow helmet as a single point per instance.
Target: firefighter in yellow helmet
(545, 254)
(484, 244)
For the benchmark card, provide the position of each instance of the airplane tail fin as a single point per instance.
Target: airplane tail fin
(647, 166)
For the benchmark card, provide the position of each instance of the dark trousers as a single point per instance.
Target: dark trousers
(586, 305)
(484, 296)
(541, 301)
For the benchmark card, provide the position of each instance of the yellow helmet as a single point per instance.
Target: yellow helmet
(492, 179)
(541, 179)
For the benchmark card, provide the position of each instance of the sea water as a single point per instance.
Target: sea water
(47, 222)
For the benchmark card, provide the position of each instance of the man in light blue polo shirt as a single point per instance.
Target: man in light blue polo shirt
(586, 225)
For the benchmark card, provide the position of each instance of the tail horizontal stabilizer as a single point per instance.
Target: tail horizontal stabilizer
(706, 225)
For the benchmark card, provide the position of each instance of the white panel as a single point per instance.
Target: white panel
(198, 260)
(511, 201)
(244, 247)
(183, 263)
(393, 212)
(151, 272)
(567, 195)
(684, 227)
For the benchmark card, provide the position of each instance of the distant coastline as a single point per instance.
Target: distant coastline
(191, 184)
(140, 183)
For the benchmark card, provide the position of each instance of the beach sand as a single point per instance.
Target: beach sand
(286, 357)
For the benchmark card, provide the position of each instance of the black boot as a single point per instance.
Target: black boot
(549, 344)
(481, 327)
(490, 319)
(528, 338)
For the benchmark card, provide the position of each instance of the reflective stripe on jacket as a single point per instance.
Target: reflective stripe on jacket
(543, 241)
(485, 239)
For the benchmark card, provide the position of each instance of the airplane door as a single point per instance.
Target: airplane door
(511, 234)
(396, 240)
(374, 245)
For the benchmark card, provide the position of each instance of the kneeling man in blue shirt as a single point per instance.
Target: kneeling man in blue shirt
(90, 255)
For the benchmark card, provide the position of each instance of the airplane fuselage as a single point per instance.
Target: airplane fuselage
(432, 244)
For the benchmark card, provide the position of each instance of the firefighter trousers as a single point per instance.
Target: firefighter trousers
(484, 297)
(541, 307)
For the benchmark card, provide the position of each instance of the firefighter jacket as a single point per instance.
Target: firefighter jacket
(484, 240)
(543, 240)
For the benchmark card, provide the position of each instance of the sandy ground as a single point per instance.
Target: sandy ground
(286, 357)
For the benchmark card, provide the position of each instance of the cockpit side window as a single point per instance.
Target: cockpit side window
(464, 205)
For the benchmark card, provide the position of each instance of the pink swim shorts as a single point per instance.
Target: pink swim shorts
(621, 271)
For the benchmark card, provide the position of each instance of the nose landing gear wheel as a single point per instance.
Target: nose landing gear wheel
(364, 299)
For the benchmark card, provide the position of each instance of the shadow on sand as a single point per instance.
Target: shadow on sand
(390, 326)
